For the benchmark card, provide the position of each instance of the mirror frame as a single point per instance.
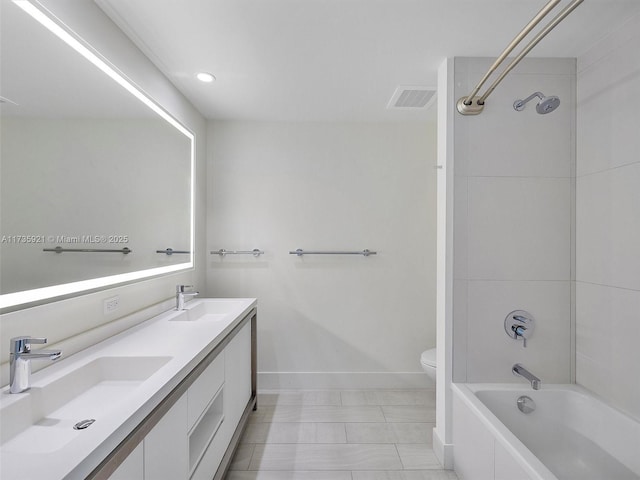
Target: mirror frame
(55, 292)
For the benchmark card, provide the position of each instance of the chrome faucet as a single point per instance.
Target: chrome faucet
(180, 294)
(20, 356)
(519, 371)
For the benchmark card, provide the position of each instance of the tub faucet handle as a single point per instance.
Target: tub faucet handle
(519, 325)
(519, 330)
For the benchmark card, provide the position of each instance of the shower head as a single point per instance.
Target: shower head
(545, 105)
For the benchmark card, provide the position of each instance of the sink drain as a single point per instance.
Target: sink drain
(84, 424)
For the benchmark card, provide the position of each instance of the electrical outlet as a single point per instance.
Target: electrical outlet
(111, 304)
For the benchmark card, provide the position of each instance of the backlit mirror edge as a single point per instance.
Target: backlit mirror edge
(13, 301)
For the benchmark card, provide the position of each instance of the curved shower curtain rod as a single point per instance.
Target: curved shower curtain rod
(472, 104)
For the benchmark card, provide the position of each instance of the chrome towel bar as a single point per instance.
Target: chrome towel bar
(222, 252)
(299, 252)
(171, 251)
(125, 250)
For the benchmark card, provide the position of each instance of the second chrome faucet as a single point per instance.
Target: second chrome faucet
(180, 294)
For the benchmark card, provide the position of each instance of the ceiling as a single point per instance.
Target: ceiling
(335, 60)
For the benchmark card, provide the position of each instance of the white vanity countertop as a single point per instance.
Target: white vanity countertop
(51, 449)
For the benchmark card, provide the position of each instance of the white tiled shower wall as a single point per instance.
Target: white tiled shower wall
(514, 180)
(608, 219)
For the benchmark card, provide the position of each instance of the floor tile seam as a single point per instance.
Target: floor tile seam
(269, 391)
(302, 420)
(347, 442)
(313, 421)
(334, 405)
(426, 405)
(377, 444)
(308, 443)
(305, 405)
(403, 423)
(309, 470)
(328, 422)
(395, 445)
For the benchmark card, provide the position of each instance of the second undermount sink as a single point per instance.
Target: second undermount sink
(41, 419)
(213, 309)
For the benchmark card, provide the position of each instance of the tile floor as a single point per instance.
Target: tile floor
(340, 435)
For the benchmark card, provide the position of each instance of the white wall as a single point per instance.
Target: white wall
(351, 320)
(513, 223)
(608, 219)
(63, 322)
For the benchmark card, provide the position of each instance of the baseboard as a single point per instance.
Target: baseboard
(443, 451)
(346, 380)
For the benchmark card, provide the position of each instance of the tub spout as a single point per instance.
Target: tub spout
(519, 371)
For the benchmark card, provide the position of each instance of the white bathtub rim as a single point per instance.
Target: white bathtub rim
(573, 387)
(521, 454)
(618, 420)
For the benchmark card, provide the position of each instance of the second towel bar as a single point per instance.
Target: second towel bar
(299, 252)
(171, 251)
(222, 252)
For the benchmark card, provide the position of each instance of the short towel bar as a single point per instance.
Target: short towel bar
(222, 252)
(299, 252)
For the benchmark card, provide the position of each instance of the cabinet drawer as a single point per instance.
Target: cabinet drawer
(204, 389)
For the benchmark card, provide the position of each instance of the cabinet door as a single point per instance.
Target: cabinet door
(132, 468)
(237, 374)
(166, 452)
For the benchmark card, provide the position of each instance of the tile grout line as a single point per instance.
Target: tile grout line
(395, 445)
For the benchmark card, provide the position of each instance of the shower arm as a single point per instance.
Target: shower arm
(466, 105)
(519, 105)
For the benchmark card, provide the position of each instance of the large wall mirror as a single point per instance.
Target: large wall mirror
(96, 178)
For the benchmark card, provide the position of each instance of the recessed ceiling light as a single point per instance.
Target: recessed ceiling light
(205, 77)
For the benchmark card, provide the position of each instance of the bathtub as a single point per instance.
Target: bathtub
(570, 434)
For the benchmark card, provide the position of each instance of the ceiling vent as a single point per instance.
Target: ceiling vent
(406, 97)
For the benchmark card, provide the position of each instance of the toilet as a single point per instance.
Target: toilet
(428, 361)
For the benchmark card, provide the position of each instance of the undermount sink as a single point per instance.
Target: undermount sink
(41, 419)
(213, 309)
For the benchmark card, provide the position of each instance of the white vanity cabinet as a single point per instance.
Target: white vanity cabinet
(162, 455)
(133, 466)
(196, 437)
(235, 394)
(237, 373)
(165, 449)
